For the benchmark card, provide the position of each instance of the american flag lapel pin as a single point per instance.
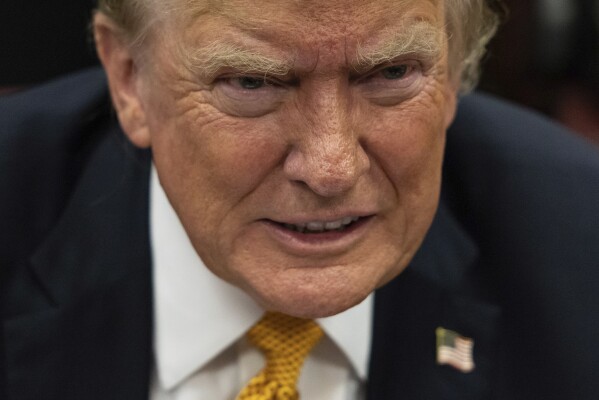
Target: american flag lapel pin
(454, 350)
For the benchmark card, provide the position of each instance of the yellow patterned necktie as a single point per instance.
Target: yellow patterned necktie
(285, 342)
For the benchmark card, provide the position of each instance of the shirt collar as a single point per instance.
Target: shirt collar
(191, 304)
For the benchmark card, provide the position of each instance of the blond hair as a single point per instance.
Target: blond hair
(470, 26)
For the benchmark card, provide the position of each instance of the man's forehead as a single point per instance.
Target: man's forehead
(305, 29)
(323, 13)
(287, 35)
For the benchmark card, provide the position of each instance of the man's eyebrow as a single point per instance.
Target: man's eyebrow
(421, 39)
(208, 60)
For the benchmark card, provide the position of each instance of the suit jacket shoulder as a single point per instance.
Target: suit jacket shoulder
(46, 134)
(527, 192)
(75, 256)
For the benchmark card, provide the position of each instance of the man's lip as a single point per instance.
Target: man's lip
(321, 226)
(305, 219)
(321, 244)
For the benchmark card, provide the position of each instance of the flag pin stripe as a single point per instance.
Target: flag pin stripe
(454, 350)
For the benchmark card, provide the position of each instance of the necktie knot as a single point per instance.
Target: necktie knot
(285, 342)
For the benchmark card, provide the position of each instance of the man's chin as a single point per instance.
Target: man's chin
(311, 304)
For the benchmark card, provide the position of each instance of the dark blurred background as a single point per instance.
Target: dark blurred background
(40, 39)
(546, 55)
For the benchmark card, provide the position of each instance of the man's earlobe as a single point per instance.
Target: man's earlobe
(451, 98)
(121, 70)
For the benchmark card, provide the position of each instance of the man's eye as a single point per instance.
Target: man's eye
(248, 95)
(395, 72)
(250, 82)
(391, 84)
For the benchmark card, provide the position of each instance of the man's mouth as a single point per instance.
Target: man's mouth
(321, 236)
(322, 226)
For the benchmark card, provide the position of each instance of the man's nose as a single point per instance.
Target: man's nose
(327, 154)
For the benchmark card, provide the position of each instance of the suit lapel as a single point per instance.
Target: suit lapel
(433, 291)
(92, 338)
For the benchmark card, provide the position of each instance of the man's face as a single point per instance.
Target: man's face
(300, 142)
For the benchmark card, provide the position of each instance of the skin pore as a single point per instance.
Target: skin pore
(299, 142)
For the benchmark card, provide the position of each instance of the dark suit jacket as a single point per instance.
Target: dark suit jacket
(512, 259)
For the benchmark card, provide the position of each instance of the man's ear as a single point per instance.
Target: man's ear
(119, 64)
(451, 101)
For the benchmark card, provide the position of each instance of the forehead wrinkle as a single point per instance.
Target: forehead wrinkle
(420, 38)
(208, 60)
(246, 21)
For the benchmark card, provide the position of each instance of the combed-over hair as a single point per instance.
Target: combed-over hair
(470, 26)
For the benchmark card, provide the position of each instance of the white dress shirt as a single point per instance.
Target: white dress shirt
(200, 350)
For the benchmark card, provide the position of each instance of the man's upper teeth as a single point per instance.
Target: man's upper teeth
(320, 226)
